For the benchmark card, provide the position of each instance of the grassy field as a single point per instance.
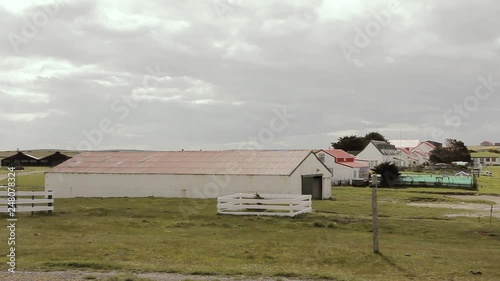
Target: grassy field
(32, 178)
(485, 154)
(334, 242)
(187, 236)
(490, 185)
(4, 171)
(483, 148)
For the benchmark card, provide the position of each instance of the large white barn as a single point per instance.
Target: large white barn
(190, 174)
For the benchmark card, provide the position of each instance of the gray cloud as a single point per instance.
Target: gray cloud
(207, 74)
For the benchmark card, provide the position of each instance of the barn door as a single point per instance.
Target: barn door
(307, 185)
(313, 185)
(317, 192)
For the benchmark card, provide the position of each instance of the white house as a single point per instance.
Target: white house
(343, 165)
(485, 159)
(381, 151)
(190, 174)
(419, 151)
(411, 159)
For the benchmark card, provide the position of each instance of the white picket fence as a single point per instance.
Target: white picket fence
(264, 205)
(29, 201)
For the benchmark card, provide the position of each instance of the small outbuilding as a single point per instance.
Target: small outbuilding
(190, 174)
(21, 159)
(25, 159)
(462, 174)
(343, 166)
(54, 159)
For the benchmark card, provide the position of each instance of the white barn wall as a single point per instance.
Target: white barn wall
(312, 166)
(144, 185)
(341, 172)
(371, 153)
(329, 160)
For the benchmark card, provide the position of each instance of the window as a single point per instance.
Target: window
(321, 157)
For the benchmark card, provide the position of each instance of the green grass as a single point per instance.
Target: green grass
(487, 154)
(490, 185)
(29, 181)
(4, 171)
(334, 242)
(483, 148)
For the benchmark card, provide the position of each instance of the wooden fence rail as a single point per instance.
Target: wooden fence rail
(28, 201)
(264, 204)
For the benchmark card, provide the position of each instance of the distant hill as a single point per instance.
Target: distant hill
(484, 154)
(39, 153)
(482, 148)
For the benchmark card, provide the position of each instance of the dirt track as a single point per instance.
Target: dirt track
(478, 210)
(101, 276)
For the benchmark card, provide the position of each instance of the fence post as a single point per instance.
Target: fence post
(491, 213)
(50, 197)
(32, 203)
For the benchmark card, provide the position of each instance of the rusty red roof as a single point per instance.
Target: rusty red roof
(354, 164)
(339, 153)
(224, 162)
(405, 150)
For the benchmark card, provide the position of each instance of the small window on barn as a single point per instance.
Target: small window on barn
(321, 157)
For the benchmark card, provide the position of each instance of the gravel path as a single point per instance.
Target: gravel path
(480, 210)
(103, 276)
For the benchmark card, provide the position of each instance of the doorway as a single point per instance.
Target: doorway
(313, 185)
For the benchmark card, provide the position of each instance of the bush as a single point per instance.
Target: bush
(318, 224)
(389, 173)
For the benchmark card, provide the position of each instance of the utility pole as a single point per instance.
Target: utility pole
(375, 213)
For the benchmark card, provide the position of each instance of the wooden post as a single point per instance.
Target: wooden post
(50, 197)
(375, 214)
(491, 213)
(32, 203)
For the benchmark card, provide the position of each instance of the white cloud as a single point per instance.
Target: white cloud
(220, 74)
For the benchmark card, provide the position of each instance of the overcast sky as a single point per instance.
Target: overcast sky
(219, 74)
